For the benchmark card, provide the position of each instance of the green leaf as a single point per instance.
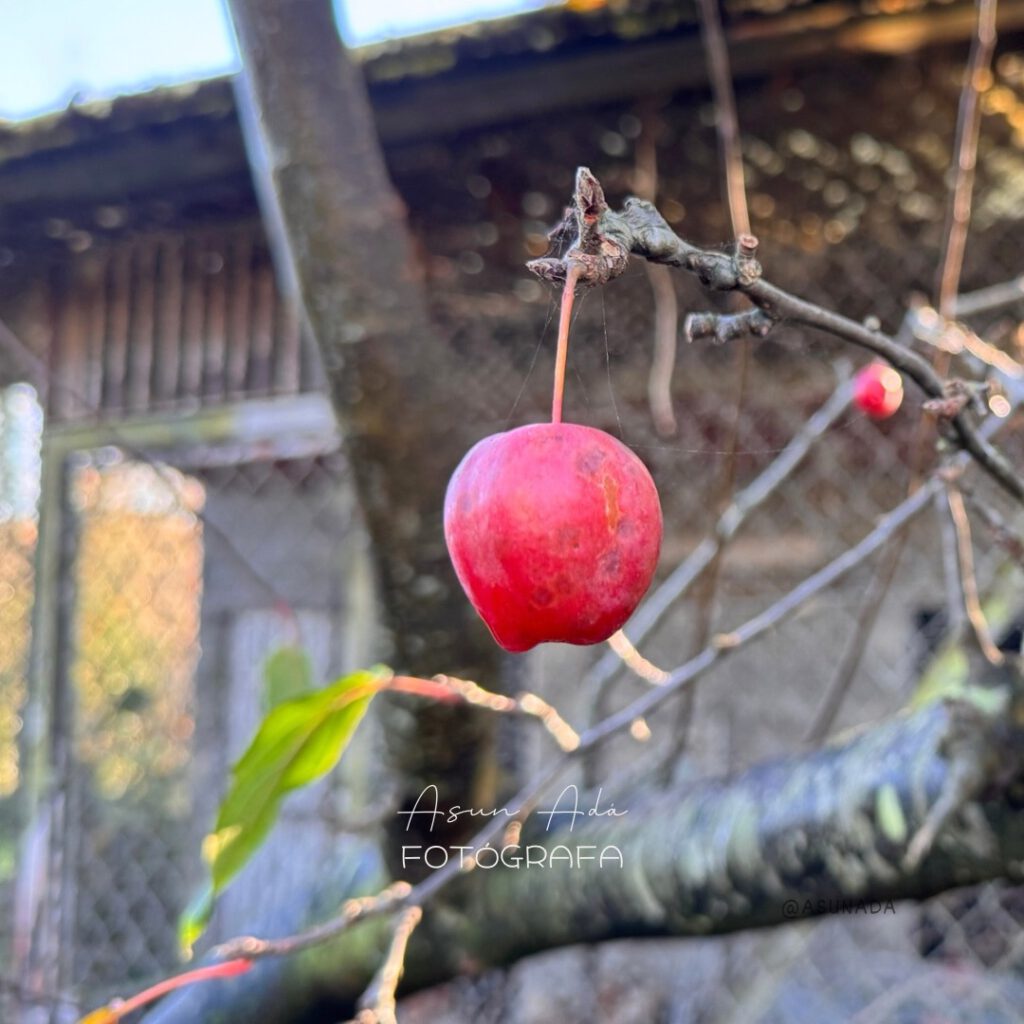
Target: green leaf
(287, 674)
(299, 741)
(194, 919)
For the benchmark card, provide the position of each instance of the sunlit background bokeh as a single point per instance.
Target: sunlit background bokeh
(62, 50)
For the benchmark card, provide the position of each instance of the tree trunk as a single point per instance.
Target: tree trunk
(401, 394)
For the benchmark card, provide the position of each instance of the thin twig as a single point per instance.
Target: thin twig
(954, 337)
(666, 333)
(724, 327)
(1002, 533)
(727, 125)
(849, 662)
(394, 897)
(986, 300)
(705, 618)
(726, 120)
(968, 579)
(635, 661)
(448, 688)
(378, 1004)
(663, 291)
(950, 304)
(956, 618)
(958, 217)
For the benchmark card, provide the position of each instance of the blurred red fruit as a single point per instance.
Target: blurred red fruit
(878, 390)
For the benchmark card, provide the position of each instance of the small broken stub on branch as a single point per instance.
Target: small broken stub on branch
(598, 256)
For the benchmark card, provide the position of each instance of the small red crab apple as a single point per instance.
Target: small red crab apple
(554, 529)
(878, 390)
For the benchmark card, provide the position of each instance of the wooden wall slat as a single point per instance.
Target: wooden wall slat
(168, 338)
(96, 330)
(239, 339)
(115, 354)
(261, 342)
(173, 321)
(69, 354)
(214, 376)
(140, 326)
(193, 315)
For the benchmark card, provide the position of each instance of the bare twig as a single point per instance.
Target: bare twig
(956, 618)
(726, 121)
(948, 406)
(723, 327)
(970, 768)
(749, 322)
(392, 898)
(448, 688)
(968, 580)
(705, 618)
(666, 305)
(666, 330)
(1002, 533)
(635, 661)
(986, 300)
(378, 1004)
(867, 616)
(954, 337)
(958, 218)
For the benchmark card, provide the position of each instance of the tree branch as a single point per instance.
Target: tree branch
(792, 838)
(640, 230)
(958, 218)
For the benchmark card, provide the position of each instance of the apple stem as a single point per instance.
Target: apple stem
(565, 317)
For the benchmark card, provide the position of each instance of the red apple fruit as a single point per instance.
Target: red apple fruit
(878, 390)
(554, 531)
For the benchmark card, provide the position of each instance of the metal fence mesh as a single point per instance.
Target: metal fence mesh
(138, 588)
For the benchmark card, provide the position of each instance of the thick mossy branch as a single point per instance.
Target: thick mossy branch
(732, 854)
(777, 842)
(639, 229)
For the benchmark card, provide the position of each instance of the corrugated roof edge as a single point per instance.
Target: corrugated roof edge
(567, 27)
(535, 32)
